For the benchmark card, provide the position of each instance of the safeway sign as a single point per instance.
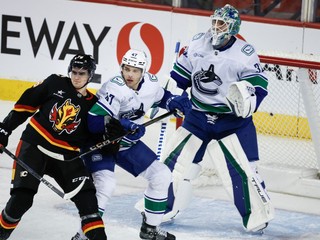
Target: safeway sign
(36, 43)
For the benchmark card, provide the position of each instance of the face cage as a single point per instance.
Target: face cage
(219, 32)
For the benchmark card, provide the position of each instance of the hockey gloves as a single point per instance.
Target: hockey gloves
(113, 130)
(4, 135)
(137, 131)
(241, 99)
(179, 104)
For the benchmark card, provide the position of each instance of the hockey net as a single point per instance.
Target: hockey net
(288, 125)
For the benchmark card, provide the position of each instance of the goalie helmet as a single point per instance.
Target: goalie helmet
(225, 23)
(85, 62)
(135, 58)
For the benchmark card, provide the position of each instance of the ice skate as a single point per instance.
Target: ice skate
(78, 237)
(153, 232)
(260, 229)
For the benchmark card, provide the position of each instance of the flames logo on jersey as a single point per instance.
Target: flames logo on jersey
(206, 81)
(64, 118)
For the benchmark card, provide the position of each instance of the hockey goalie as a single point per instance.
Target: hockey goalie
(227, 85)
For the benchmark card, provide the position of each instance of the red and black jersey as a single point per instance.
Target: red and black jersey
(59, 115)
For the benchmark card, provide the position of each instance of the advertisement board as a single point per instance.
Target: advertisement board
(39, 37)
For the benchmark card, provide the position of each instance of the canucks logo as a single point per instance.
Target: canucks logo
(206, 81)
(133, 114)
(64, 118)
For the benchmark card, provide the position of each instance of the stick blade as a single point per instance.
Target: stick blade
(154, 112)
(74, 192)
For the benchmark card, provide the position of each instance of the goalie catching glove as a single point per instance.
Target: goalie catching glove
(241, 99)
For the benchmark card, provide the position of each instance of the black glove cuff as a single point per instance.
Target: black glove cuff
(5, 130)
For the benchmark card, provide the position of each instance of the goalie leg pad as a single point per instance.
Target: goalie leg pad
(241, 183)
(179, 155)
(180, 151)
(181, 194)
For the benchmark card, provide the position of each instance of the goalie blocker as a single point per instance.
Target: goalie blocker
(240, 178)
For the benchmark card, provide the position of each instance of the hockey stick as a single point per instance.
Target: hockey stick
(108, 141)
(63, 195)
(163, 127)
(155, 110)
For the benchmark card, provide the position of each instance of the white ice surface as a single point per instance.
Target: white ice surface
(210, 217)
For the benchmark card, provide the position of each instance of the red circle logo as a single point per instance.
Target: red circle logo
(150, 36)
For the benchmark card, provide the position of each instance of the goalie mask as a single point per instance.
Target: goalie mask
(135, 58)
(225, 23)
(83, 61)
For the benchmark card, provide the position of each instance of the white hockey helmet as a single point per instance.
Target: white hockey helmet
(135, 58)
(230, 19)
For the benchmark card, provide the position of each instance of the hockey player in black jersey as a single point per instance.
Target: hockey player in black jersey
(58, 108)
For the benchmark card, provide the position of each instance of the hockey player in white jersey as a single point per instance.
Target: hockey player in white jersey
(227, 86)
(127, 97)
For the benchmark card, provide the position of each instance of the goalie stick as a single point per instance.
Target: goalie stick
(155, 110)
(163, 127)
(63, 195)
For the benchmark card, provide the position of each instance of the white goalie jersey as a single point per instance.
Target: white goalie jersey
(210, 72)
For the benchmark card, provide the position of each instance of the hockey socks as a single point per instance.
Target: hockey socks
(7, 225)
(93, 227)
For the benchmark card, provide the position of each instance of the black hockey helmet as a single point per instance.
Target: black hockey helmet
(83, 61)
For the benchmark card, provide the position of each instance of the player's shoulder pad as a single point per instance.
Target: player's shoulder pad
(118, 80)
(60, 75)
(53, 79)
(55, 76)
(151, 77)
